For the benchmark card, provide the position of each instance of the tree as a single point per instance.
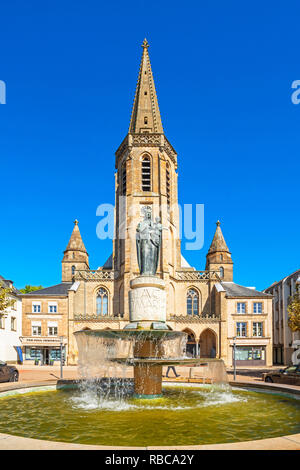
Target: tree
(28, 288)
(5, 296)
(294, 312)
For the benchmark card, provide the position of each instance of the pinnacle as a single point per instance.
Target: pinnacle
(145, 117)
(218, 243)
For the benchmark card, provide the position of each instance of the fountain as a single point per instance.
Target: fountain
(145, 340)
(111, 409)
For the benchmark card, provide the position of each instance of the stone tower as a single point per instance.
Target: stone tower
(75, 255)
(218, 257)
(146, 165)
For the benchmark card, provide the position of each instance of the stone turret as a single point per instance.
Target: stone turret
(218, 257)
(75, 255)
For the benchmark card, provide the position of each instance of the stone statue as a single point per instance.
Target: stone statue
(148, 241)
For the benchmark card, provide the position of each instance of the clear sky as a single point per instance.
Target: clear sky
(223, 73)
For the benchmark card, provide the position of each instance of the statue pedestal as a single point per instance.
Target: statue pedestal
(147, 300)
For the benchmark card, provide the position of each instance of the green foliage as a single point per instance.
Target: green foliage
(29, 288)
(5, 297)
(294, 312)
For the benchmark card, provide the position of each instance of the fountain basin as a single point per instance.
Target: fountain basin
(188, 415)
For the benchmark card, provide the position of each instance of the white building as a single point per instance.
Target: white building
(283, 337)
(10, 326)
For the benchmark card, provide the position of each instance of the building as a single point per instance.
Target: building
(206, 304)
(283, 337)
(11, 326)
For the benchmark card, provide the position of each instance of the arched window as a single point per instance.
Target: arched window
(168, 185)
(146, 174)
(73, 270)
(123, 180)
(221, 271)
(102, 302)
(192, 302)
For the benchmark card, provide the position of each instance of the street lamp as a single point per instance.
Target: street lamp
(234, 363)
(61, 338)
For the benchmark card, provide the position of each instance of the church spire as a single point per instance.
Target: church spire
(145, 117)
(218, 257)
(75, 242)
(218, 243)
(75, 255)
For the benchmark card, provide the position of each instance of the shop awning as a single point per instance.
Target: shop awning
(19, 351)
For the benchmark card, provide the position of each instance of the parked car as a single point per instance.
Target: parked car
(290, 375)
(8, 373)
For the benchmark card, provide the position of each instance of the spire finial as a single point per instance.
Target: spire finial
(145, 44)
(76, 222)
(218, 223)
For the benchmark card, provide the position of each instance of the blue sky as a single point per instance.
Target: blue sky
(223, 73)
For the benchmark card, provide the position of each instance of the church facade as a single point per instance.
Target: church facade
(208, 305)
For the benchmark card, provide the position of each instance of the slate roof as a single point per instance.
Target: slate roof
(235, 290)
(6, 282)
(58, 289)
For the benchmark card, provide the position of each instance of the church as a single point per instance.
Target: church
(214, 311)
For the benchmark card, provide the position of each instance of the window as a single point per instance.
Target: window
(146, 174)
(257, 329)
(123, 180)
(36, 330)
(250, 353)
(73, 270)
(221, 271)
(52, 307)
(32, 353)
(241, 329)
(52, 330)
(2, 322)
(36, 307)
(257, 307)
(102, 302)
(221, 257)
(145, 120)
(241, 307)
(168, 185)
(13, 324)
(145, 93)
(192, 302)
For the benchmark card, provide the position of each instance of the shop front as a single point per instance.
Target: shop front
(248, 356)
(43, 351)
(43, 355)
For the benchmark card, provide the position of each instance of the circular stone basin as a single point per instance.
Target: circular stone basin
(185, 415)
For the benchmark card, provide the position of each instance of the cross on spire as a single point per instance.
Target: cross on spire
(145, 44)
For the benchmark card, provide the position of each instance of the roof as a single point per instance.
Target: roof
(108, 263)
(75, 242)
(235, 290)
(283, 279)
(145, 112)
(8, 283)
(218, 243)
(58, 289)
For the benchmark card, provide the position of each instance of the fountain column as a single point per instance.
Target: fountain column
(147, 304)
